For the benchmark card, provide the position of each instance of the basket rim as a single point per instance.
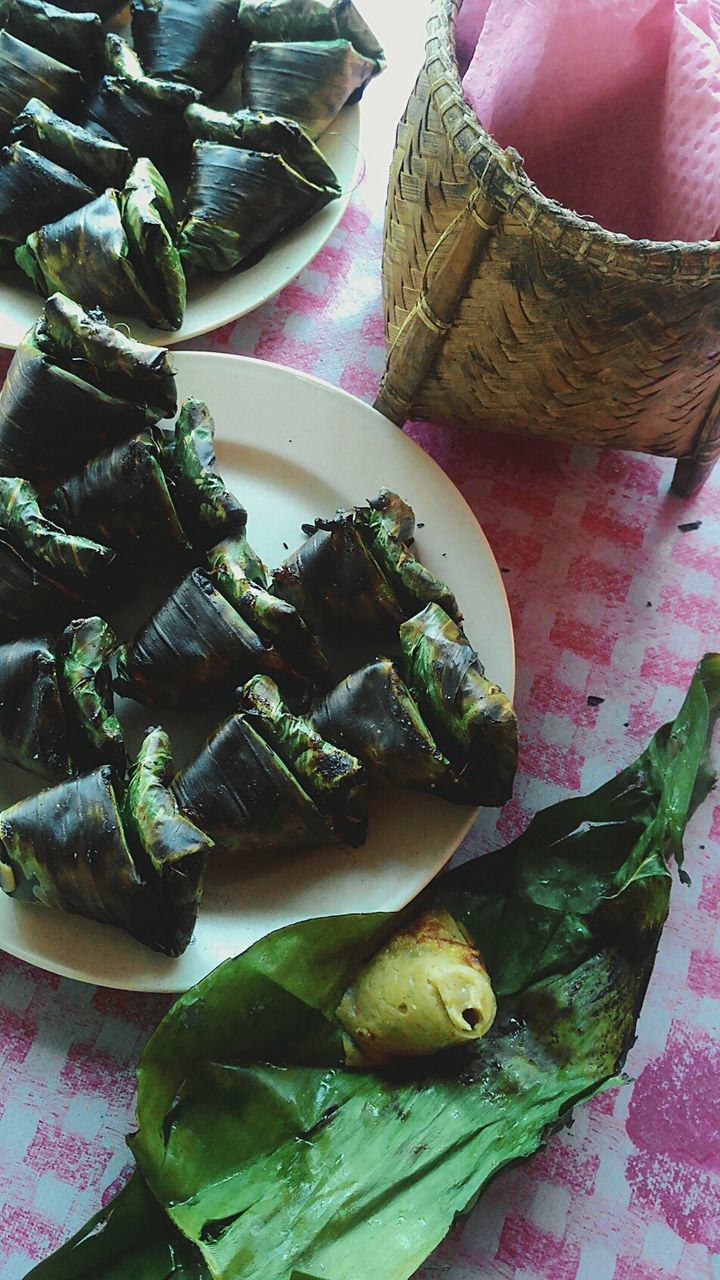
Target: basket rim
(500, 174)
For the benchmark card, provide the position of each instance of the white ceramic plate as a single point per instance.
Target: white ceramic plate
(216, 300)
(293, 448)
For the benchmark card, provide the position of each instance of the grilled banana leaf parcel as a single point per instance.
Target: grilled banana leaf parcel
(272, 20)
(239, 790)
(195, 648)
(116, 252)
(307, 81)
(166, 840)
(34, 190)
(196, 41)
(239, 202)
(76, 39)
(373, 715)
(96, 161)
(274, 135)
(85, 651)
(246, 1110)
(471, 718)
(333, 778)
(26, 73)
(388, 526)
(206, 506)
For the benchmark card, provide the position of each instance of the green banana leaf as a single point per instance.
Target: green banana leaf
(239, 202)
(306, 81)
(94, 160)
(76, 562)
(472, 719)
(274, 135)
(85, 650)
(77, 39)
(207, 508)
(267, 20)
(334, 581)
(34, 190)
(164, 837)
(388, 526)
(33, 725)
(242, 578)
(194, 648)
(28, 73)
(121, 498)
(115, 252)
(240, 792)
(334, 779)
(275, 1161)
(372, 714)
(196, 41)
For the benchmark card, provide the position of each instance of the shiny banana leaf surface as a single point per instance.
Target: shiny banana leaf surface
(196, 41)
(86, 649)
(93, 159)
(30, 601)
(273, 20)
(471, 718)
(240, 792)
(272, 1160)
(121, 498)
(207, 507)
(334, 779)
(76, 39)
(373, 715)
(105, 8)
(33, 725)
(34, 190)
(274, 135)
(307, 81)
(238, 203)
(26, 73)
(79, 563)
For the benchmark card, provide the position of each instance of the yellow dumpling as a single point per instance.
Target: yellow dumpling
(427, 989)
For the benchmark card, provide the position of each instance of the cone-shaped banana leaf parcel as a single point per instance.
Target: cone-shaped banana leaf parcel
(260, 1155)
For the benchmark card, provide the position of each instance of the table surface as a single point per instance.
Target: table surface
(610, 599)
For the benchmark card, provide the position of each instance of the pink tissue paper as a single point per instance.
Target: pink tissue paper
(614, 105)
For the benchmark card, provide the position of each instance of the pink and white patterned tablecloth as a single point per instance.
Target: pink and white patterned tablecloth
(614, 588)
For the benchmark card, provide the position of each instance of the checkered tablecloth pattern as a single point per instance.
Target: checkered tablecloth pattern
(614, 590)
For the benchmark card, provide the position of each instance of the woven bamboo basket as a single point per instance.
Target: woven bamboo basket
(506, 310)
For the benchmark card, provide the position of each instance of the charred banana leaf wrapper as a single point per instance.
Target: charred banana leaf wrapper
(250, 1062)
(34, 190)
(144, 114)
(27, 73)
(197, 41)
(116, 252)
(165, 840)
(387, 524)
(242, 578)
(94, 160)
(307, 81)
(333, 778)
(239, 790)
(105, 8)
(273, 20)
(207, 508)
(86, 649)
(373, 715)
(257, 131)
(121, 497)
(194, 648)
(472, 719)
(77, 39)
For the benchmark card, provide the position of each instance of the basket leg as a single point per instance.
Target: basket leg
(691, 472)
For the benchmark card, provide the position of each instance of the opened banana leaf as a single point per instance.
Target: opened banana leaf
(194, 648)
(34, 190)
(388, 526)
(373, 716)
(238, 790)
(207, 508)
(196, 41)
(268, 20)
(472, 719)
(28, 73)
(309, 82)
(242, 578)
(239, 202)
(85, 650)
(121, 497)
(77, 39)
(79, 563)
(275, 1161)
(274, 135)
(162, 836)
(335, 582)
(33, 725)
(95, 160)
(333, 778)
(123, 237)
